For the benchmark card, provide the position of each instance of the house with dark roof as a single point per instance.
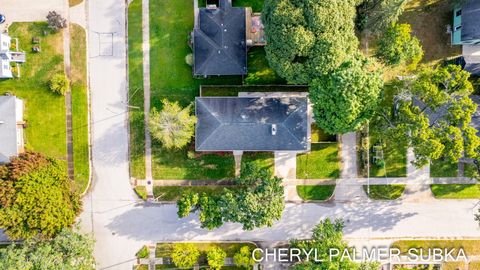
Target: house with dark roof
(11, 127)
(252, 124)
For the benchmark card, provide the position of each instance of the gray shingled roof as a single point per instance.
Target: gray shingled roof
(470, 20)
(245, 123)
(8, 127)
(220, 41)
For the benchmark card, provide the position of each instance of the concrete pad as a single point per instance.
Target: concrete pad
(286, 165)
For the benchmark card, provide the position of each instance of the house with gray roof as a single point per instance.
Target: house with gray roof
(252, 124)
(11, 127)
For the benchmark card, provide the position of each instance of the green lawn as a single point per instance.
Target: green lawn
(318, 135)
(78, 69)
(233, 90)
(321, 162)
(259, 71)
(44, 110)
(385, 192)
(262, 159)
(256, 5)
(135, 92)
(395, 159)
(316, 193)
(440, 168)
(173, 193)
(456, 191)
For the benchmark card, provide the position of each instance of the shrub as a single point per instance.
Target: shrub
(56, 21)
(143, 253)
(189, 59)
(243, 258)
(141, 192)
(59, 84)
(216, 258)
(185, 255)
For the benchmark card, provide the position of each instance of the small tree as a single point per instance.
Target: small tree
(376, 15)
(56, 21)
(59, 84)
(185, 255)
(173, 126)
(216, 258)
(397, 46)
(243, 258)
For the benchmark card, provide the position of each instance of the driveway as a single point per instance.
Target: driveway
(30, 11)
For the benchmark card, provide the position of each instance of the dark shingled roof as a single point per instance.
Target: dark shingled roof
(472, 67)
(471, 20)
(245, 123)
(220, 41)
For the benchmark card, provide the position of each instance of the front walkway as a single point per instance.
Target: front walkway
(286, 165)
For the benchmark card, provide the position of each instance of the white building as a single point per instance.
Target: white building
(11, 127)
(7, 56)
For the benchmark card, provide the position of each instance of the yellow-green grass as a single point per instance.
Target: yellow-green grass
(163, 250)
(141, 267)
(264, 160)
(78, 70)
(259, 71)
(456, 191)
(135, 92)
(141, 192)
(44, 110)
(384, 192)
(471, 247)
(442, 168)
(316, 193)
(72, 3)
(318, 135)
(234, 90)
(321, 162)
(173, 193)
(394, 159)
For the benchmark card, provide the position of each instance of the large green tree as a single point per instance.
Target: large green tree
(216, 258)
(375, 16)
(256, 202)
(327, 235)
(432, 114)
(346, 98)
(40, 198)
(306, 38)
(185, 255)
(173, 126)
(397, 46)
(67, 251)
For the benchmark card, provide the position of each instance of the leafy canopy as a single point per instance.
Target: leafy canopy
(306, 38)
(257, 202)
(185, 255)
(346, 98)
(67, 251)
(397, 46)
(173, 126)
(375, 16)
(243, 258)
(216, 258)
(40, 198)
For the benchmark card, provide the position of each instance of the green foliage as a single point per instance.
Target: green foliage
(345, 99)
(173, 126)
(59, 84)
(257, 202)
(143, 253)
(67, 251)
(376, 15)
(397, 46)
(306, 38)
(41, 198)
(141, 191)
(216, 258)
(185, 255)
(436, 123)
(243, 258)
(189, 59)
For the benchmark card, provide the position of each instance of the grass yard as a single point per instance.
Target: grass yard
(78, 70)
(259, 71)
(256, 5)
(173, 193)
(471, 247)
(44, 110)
(456, 191)
(394, 159)
(315, 193)
(262, 159)
(322, 162)
(318, 135)
(429, 19)
(233, 90)
(135, 92)
(440, 168)
(385, 192)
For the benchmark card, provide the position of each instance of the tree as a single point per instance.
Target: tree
(432, 114)
(67, 251)
(257, 202)
(216, 258)
(41, 198)
(346, 98)
(59, 84)
(185, 255)
(375, 16)
(397, 46)
(306, 38)
(243, 258)
(173, 126)
(326, 235)
(56, 21)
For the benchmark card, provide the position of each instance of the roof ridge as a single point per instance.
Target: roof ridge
(220, 123)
